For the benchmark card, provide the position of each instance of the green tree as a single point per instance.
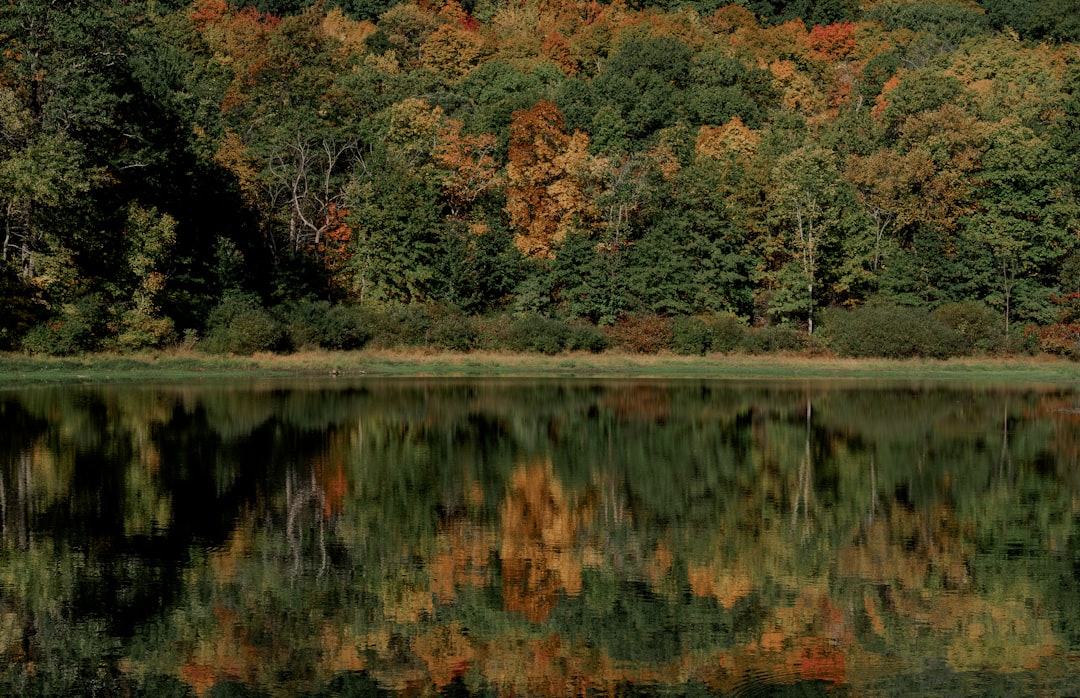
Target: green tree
(399, 228)
(1056, 20)
(823, 253)
(643, 81)
(150, 237)
(721, 87)
(693, 257)
(1023, 220)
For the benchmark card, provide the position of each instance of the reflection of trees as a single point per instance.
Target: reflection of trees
(536, 538)
(304, 503)
(802, 490)
(539, 551)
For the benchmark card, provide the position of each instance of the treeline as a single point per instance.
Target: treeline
(885, 179)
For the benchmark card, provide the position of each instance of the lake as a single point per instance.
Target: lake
(414, 537)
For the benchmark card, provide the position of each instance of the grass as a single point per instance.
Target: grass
(186, 365)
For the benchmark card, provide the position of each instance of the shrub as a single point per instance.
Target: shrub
(979, 326)
(586, 337)
(533, 332)
(397, 325)
(540, 334)
(728, 332)
(303, 323)
(690, 335)
(452, 331)
(642, 334)
(1062, 338)
(139, 330)
(773, 339)
(702, 334)
(240, 325)
(309, 324)
(345, 328)
(80, 326)
(891, 331)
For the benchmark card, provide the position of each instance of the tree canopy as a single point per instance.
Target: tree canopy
(586, 161)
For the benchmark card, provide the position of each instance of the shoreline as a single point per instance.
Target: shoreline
(18, 369)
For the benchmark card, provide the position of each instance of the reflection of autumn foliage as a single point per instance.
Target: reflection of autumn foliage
(640, 403)
(912, 552)
(225, 656)
(539, 533)
(727, 584)
(907, 547)
(821, 601)
(329, 473)
(462, 559)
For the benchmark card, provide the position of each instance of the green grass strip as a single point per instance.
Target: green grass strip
(181, 366)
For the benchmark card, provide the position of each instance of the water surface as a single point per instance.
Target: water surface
(540, 538)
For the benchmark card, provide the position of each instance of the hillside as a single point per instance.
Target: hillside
(291, 174)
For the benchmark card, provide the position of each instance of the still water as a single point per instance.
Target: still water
(539, 538)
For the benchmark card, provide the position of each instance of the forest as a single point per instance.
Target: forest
(868, 178)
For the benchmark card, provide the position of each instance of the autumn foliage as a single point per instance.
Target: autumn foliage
(579, 160)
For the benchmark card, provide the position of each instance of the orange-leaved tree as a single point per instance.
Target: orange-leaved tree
(468, 166)
(546, 171)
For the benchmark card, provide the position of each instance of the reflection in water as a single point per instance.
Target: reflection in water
(538, 538)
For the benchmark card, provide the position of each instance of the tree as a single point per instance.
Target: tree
(643, 82)
(150, 237)
(1055, 20)
(467, 165)
(397, 220)
(544, 197)
(721, 88)
(1022, 219)
(817, 231)
(939, 28)
(62, 79)
(694, 257)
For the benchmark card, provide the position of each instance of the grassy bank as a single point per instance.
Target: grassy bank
(17, 368)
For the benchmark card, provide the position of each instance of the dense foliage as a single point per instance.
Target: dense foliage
(279, 174)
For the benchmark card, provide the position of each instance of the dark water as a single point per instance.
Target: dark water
(539, 538)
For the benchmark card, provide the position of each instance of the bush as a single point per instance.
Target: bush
(773, 339)
(702, 334)
(452, 331)
(532, 332)
(980, 327)
(891, 331)
(240, 325)
(642, 334)
(309, 324)
(346, 328)
(140, 330)
(397, 325)
(586, 337)
(1062, 339)
(690, 335)
(728, 332)
(80, 326)
(303, 323)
